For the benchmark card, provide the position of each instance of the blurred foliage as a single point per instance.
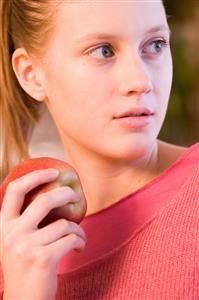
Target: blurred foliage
(180, 126)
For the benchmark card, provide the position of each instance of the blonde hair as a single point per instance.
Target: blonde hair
(27, 24)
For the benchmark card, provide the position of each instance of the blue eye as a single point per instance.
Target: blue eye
(103, 51)
(156, 46)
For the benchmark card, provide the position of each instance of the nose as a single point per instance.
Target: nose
(135, 78)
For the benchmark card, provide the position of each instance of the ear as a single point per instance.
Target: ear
(27, 74)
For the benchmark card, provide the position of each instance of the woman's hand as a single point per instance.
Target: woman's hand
(29, 256)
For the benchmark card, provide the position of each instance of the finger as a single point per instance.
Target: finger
(45, 202)
(64, 245)
(55, 231)
(18, 188)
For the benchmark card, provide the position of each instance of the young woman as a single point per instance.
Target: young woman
(104, 71)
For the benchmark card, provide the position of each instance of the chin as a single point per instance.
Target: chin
(132, 149)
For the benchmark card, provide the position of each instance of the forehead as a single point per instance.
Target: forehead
(85, 15)
(124, 19)
(106, 8)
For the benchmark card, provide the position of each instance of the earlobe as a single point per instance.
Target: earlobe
(28, 75)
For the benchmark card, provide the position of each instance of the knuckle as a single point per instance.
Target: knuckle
(73, 237)
(76, 240)
(21, 249)
(45, 201)
(43, 258)
(13, 186)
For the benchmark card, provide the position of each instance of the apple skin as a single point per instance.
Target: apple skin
(74, 212)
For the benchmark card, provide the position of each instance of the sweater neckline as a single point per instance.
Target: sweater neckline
(148, 184)
(111, 228)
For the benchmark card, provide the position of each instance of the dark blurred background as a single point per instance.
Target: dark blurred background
(182, 121)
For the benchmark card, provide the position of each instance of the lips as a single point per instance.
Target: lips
(135, 112)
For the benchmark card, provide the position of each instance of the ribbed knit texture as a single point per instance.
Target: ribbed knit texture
(160, 261)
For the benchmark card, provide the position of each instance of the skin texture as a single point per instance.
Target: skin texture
(83, 91)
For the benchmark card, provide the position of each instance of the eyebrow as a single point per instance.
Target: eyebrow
(100, 35)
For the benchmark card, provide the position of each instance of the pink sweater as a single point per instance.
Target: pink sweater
(145, 246)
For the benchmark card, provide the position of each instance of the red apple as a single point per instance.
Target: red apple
(67, 177)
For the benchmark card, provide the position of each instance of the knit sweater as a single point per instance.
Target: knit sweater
(145, 246)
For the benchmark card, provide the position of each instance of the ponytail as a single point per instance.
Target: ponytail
(19, 112)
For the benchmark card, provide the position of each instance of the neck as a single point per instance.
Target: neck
(106, 183)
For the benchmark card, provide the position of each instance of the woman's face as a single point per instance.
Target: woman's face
(107, 59)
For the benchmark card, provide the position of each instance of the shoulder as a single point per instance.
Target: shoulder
(169, 153)
(171, 150)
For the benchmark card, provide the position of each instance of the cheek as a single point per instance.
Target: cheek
(168, 73)
(76, 104)
(79, 88)
(166, 84)
(163, 81)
